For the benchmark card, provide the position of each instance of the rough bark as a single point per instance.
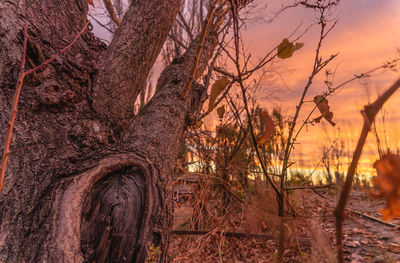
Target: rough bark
(124, 67)
(78, 188)
(52, 105)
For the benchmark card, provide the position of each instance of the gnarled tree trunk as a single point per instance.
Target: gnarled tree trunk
(87, 180)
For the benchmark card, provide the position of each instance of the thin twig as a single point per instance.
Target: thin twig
(308, 187)
(237, 63)
(185, 26)
(14, 110)
(58, 53)
(341, 85)
(200, 48)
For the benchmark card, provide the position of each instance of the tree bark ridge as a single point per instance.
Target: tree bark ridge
(130, 56)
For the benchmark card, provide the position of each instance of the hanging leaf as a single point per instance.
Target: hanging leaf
(322, 104)
(216, 89)
(268, 126)
(387, 184)
(90, 2)
(221, 111)
(286, 48)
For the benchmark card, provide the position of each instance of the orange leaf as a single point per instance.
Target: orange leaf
(269, 128)
(387, 184)
(322, 104)
(216, 89)
(90, 2)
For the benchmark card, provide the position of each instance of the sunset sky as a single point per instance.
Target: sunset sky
(366, 35)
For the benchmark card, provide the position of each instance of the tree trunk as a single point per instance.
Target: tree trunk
(87, 180)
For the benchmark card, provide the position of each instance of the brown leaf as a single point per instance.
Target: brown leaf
(286, 48)
(387, 184)
(269, 128)
(90, 2)
(322, 104)
(216, 89)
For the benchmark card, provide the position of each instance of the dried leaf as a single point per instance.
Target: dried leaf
(221, 111)
(90, 2)
(322, 104)
(387, 184)
(268, 126)
(286, 48)
(216, 89)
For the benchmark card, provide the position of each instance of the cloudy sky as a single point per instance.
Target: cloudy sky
(366, 35)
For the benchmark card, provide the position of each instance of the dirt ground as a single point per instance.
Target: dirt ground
(364, 239)
(309, 238)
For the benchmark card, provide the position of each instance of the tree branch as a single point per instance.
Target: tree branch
(125, 65)
(199, 49)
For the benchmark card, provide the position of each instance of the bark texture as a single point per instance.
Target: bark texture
(124, 67)
(86, 180)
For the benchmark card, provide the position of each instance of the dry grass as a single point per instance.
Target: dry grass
(213, 209)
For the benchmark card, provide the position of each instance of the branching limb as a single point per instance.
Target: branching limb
(126, 64)
(200, 48)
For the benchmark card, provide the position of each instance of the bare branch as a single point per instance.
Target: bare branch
(184, 25)
(111, 12)
(125, 65)
(200, 48)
